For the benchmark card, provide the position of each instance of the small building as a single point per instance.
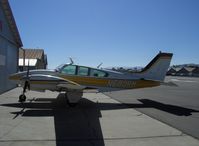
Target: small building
(195, 72)
(10, 42)
(34, 58)
(171, 72)
(185, 71)
(190, 70)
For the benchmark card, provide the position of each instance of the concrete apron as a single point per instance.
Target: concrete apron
(45, 119)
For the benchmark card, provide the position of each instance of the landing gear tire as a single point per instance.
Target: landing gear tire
(22, 98)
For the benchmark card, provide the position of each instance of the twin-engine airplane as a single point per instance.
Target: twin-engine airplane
(73, 79)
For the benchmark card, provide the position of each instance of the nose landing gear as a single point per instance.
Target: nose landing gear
(22, 98)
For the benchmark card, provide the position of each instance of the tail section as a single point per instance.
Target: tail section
(157, 68)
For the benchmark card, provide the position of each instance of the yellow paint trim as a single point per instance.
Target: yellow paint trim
(105, 82)
(101, 82)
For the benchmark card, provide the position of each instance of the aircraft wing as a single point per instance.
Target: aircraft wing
(70, 85)
(61, 83)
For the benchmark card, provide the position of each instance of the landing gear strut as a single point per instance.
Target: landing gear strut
(22, 97)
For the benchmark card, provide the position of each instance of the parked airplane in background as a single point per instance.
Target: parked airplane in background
(73, 79)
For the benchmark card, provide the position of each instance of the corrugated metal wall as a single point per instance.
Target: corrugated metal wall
(8, 54)
(8, 65)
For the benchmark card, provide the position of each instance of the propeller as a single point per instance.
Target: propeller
(71, 61)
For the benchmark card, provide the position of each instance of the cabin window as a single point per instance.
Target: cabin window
(83, 71)
(98, 73)
(69, 69)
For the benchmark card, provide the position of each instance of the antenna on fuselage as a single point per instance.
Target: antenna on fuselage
(99, 65)
(71, 61)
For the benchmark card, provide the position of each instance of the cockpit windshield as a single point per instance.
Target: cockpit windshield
(70, 69)
(58, 68)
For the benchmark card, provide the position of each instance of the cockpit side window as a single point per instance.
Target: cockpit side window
(98, 73)
(83, 71)
(69, 69)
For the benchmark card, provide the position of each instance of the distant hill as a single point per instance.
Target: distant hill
(139, 68)
(126, 69)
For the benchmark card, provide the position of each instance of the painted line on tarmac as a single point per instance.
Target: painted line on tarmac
(187, 81)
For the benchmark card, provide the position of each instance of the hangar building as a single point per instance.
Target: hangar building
(10, 42)
(34, 58)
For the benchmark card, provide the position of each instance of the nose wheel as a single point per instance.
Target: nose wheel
(22, 98)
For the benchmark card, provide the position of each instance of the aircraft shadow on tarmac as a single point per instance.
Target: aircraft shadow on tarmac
(172, 109)
(80, 125)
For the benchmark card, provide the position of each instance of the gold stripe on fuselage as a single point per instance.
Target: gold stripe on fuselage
(113, 83)
(102, 82)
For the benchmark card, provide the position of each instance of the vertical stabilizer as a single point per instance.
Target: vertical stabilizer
(157, 68)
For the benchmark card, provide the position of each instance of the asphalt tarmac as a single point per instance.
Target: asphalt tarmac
(174, 104)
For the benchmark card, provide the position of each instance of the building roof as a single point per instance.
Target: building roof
(11, 21)
(172, 70)
(196, 70)
(186, 70)
(177, 68)
(190, 69)
(31, 53)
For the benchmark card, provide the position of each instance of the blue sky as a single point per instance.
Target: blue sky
(115, 32)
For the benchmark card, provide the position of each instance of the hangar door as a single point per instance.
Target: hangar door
(11, 65)
(2, 70)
